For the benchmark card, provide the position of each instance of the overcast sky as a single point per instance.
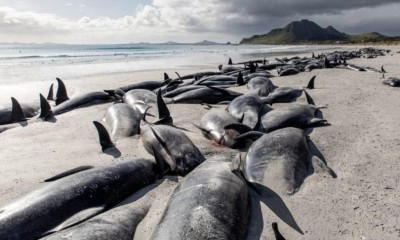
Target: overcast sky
(123, 21)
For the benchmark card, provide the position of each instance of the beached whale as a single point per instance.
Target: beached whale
(120, 222)
(247, 107)
(74, 198)
(212, 126)
(221, 80)
(123, 119)
(81, 101)
(210, 95)
(17, 112)
(393, 82)
(261, 82)
(294, 115)
(211, 202)
(197, 75)
(282, 95)
(281, 160)
(18, 117)
(146, 85)
(173, 146)
(140, 98)
(288, 71)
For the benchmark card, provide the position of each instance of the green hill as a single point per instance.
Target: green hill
(306, 31)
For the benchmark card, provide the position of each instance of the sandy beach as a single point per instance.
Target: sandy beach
(361, 146)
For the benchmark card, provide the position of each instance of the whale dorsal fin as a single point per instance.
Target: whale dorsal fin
(311, 83)
(45, 109)
(17, 115)
(164, 116)
(50, 95)
(166, 77)
(104, 137)
(68, 173)
(327, 64)
(240, 80)
(61, 95)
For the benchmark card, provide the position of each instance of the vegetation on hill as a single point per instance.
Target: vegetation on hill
(306, 31)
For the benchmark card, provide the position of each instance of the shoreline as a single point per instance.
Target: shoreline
(360, 146)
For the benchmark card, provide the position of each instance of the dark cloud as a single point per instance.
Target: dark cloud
(348, 16)
(279, 8)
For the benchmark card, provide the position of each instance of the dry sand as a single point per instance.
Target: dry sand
(361, 146)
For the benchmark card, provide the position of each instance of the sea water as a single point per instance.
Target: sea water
(21, 63)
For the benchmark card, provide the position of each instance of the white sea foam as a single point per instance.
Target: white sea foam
(21, 63)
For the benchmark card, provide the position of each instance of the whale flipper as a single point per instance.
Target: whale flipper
(239, 127)
(104, 137)
(68, 173)
(17, 115)
(171, 162)
(252, 135)
(162, 166)
(309, 98)
(62, 95)
(77, 218)
(278, 235)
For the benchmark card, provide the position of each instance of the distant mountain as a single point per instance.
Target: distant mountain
(306, 31)
(204, 42)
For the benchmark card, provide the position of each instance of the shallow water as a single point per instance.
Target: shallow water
(21, 63)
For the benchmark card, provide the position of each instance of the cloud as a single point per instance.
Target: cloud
(194, 20)
(238, 18)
